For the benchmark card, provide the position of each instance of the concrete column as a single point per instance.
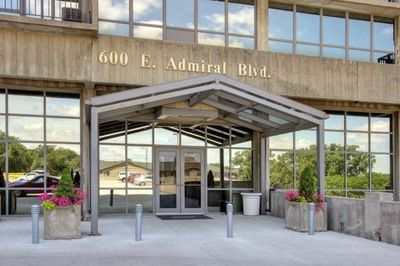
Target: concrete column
(263, 175)
(321, 158)
(372, 214)
(262, 24)
(86, 94)
(94, 170)
(95, 11)
(256, 162)
(396, 159)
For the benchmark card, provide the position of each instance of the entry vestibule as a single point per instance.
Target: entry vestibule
(212, 106)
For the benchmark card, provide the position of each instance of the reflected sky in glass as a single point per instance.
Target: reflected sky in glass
(310, 50)
(26, 128)
(112, 153)
(166, 137)
(281, 47)
(358, 139)
(334, 138)
(241, 18)
(190, 140)
(211, 39)
(359, 33)
(380, 143)
(380, 124)
(73, 147)
(334, 52)
(114, 9)
(2, 102)
(140, 155)
(280, 24)
(180, 13)
(147, 11)
(359, 123)
(62, 106)
(383, 37)
(25, 104)
(59, 129)
(335, 122)
(305, 138)
(212, 15)
(283, 141)
(141, 137)
(334, 30)
(307, 27)
(241, 42)
(359, 55)
(148, 32)
(382, 163)
(110, 28)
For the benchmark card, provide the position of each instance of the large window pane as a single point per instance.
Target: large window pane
(112, 200)
(284, 141)
(212, 15)
(180, 13)
(380, 123)
(111, 28)
(2, 101)
(338, 53)
(211, 39)
(308, 23)
(281, 21)
(359, 55)
(25, 103)
(281, 47)
(140, 168)
(310, 50)
(381, 172)
(334, 171)
(114, 9)
(192, 137)
(281, 169)
(112, 132)
(241, 42)
(23, 158)
(25, 128)
(383, 34)
(358, 122)
(217, 162)
(112, 171)
(242, 176)
(360, 31)
(357, 171)
(166, 135)
(2, 127)
(148, 32)
(334, 24)
(334, 141)
(241, 17)
(61, 157)
(357, 142)
(59, 129)
(380, 143)
(306, 139)
(335, 121)
(62, 106)
(147, 11)
(140, 134)
(303, 159)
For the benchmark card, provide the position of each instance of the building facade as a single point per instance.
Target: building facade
(63, 59)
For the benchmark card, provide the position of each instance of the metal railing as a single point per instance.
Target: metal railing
(65, 10)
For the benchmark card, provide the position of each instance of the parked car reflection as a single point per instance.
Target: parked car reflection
(33, 185)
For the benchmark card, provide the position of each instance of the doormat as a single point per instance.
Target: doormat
(183, 217)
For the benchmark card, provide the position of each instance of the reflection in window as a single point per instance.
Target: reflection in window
(211, 39)
(334, 24)
(139, 134)
(2, 127)
(281, 169)
(112, 166)
(310, 50)
(148, 32)
(335, 171)
(114, 9)
(357, 171)
(358, 55)
(357, 142)
(111, 28)
(283, 141)
(335, 121)
(58, 105)
(334, 141)
(306, 139)
(2, 102)
(192, 137)
(280, 21)
(66, 130)
(139, 166)
(380, 143)
(331, 52)
(383, 34)
(308, 23)
(17, 102)
(147, 11)
(359, 31)
(62, 156)
(211, 15)
(281, 47)
(180, 13)
(241, 42)
(241, 17)
(242, 176)
(166, 135)
(358, 122)
(381, 169)
(380, 123)
(26, 128)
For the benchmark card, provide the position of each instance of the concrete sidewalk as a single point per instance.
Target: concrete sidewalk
(260, 240)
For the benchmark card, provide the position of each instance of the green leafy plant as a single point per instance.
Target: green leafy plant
(48, 205)
(308, 184)
(65, 187)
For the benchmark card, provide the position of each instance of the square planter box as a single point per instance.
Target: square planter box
(62, 223)
(296, 217)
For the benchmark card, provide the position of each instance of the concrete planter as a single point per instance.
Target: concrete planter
(296, 217)
(62, 223)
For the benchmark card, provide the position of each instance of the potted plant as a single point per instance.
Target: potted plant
(296, 210)
(62, 210)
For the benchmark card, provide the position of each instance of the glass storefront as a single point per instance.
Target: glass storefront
(39, 140)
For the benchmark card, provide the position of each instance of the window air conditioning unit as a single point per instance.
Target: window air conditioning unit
(71, 14)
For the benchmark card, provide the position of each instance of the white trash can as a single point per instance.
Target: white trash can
(251, 203)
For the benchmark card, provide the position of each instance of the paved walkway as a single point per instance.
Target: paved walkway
(261, 240)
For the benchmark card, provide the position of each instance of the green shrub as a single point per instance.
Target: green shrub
(65, 186)
(308, 184)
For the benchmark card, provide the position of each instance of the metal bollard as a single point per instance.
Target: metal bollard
(138, 222)
(35, 223)
(229, 213)
(111, 197)
(311, 220)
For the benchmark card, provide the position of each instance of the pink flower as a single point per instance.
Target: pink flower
(291, 195)
(44, 196)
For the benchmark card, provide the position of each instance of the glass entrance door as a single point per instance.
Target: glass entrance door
(179, 180)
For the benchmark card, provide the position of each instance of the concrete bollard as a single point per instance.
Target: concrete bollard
(35, 209)
(138, 222)
(311, 219)
(229, 213)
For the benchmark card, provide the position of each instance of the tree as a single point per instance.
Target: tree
(308, 183)
(242, 160)
(65, 186)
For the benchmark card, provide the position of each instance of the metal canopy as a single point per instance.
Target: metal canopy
(249, 111)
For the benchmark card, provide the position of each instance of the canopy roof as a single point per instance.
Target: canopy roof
(215, 100)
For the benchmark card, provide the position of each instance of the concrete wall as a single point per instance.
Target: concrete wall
(375, 217)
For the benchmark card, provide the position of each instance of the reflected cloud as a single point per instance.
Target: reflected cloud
(148, 32)
(242, 21)
(114, 9)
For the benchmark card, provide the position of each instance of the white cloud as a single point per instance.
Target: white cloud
(144, 7)
(242, 21)
(387, 31)
(211, 39)
(115, 10)
(148, 32)
(381, 126)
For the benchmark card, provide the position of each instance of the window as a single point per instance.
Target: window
(281, 28)
(359, 154)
